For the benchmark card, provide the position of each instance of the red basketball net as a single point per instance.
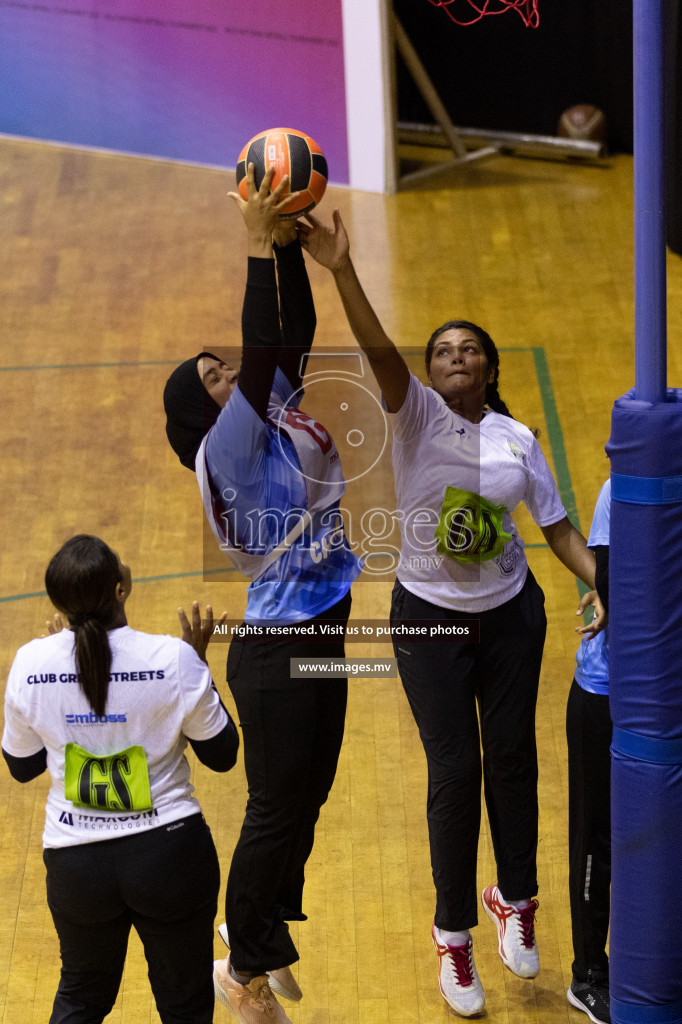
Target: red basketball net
(527, 9)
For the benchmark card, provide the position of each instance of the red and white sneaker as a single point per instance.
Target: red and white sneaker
(515, 932)
(458, 980)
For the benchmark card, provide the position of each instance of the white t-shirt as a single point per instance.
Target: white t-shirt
(457, 484)
(160, 694)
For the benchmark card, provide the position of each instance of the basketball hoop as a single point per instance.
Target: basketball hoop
(526, 9)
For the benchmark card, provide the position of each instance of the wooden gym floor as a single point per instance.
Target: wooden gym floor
(114, 269)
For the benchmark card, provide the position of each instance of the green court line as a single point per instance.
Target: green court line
(136, 579)
(554, 431)
(88, 366)
(556, 437)
(556, 441)
(22, 597)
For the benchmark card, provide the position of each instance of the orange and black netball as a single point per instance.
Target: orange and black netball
(290, 152)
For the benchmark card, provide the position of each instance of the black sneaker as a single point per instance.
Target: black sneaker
(592, 998)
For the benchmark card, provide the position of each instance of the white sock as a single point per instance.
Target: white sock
(453, 938)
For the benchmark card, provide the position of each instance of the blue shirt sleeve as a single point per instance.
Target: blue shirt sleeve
(236, 454)
(599, 531)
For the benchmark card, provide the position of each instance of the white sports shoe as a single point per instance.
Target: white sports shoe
(281, 980)
(458, 980)
(515, 932)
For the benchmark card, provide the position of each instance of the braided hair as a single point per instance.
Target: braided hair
(81, 583)
(492, 395)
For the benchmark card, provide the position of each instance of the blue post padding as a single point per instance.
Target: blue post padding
(640, 442)
(626, 1013)
(646, 748)
(646, 889)
(645, 614)
(646, 490)
(645, 664)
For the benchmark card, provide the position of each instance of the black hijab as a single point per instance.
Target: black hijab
(190, 410)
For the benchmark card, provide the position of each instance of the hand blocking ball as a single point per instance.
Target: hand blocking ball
(292, 153)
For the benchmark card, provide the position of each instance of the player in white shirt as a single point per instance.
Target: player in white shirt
(461, 465)
(109, 712)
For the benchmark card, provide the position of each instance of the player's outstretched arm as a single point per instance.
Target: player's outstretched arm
(261, 210)
(330, 247)
(219, 753)
(296, 306)
(260, 312)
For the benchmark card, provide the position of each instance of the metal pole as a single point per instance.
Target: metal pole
(650, 253)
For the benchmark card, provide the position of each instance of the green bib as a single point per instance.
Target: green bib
(108, 782)
(470, 527)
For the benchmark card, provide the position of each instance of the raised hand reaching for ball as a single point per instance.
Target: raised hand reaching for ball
(262, 208)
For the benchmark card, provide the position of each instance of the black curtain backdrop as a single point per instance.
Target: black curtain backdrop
(499, 75)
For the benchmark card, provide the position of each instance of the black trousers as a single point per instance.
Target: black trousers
(293, 729)
(588, 731)
(165, 884)
(444, 682)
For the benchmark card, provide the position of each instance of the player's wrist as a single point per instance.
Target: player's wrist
(342, 266)
(260, 245)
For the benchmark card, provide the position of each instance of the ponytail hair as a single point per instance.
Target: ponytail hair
(492, 395)
(493, 400)
(81, 583)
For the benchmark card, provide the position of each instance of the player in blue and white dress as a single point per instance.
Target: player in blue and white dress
(588, 731)
(271, 483)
